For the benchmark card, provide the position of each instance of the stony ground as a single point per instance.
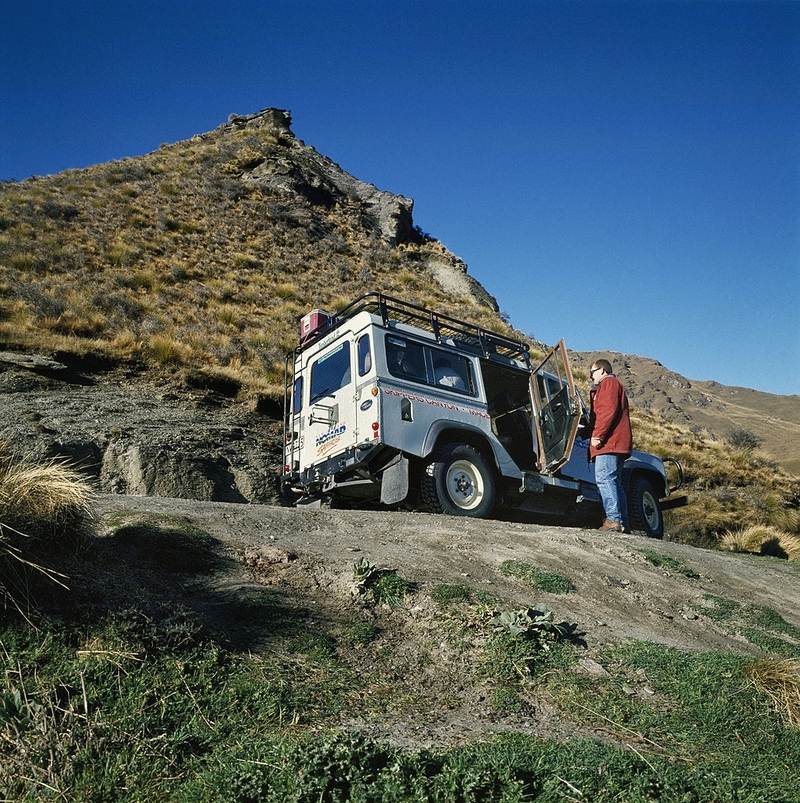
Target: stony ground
(307, 558)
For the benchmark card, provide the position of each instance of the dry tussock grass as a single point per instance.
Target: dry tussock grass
(173, 259)
(780, 681)
(761, 539)
(39, 502)
(730, 489)
(41, 499)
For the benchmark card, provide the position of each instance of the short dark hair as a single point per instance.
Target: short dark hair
(605, 365)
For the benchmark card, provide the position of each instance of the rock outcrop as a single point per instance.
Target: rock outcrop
(131, 437)
(319, 180)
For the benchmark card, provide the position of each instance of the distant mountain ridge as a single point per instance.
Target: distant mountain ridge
(710, 406)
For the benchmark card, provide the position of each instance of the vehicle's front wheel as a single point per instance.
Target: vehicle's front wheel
(644, 508)
(458, 480)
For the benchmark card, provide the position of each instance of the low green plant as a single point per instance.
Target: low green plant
(759, 624)
(449, 594)
(666, 562)
(318, 647)
(529, 622)
(391, 589)
(696, 716)
(385, 586)
(518, 644)
(361, 634)
(540, 579)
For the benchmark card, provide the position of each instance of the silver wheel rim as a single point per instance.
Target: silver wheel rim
(465, 485)
(650, 510)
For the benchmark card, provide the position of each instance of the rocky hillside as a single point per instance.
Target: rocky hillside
(146, 306)
(204, 254)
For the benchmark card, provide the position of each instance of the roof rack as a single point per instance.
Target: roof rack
(445, 329)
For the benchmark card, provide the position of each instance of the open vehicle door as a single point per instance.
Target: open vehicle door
(556, 409)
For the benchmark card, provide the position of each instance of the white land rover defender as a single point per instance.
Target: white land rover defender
(388, 401)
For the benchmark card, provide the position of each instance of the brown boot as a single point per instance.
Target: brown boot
(614, 526)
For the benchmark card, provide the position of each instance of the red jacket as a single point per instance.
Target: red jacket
(609, 418)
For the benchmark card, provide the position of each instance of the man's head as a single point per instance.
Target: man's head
(599, 369)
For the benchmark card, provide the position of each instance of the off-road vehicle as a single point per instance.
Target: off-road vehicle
(386, 401)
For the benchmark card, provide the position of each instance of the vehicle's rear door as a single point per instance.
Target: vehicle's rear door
(556, 409)
(331, 420)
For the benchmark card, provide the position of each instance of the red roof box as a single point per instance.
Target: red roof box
(311, 322)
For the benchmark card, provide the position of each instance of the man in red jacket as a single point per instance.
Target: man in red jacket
(610, 442)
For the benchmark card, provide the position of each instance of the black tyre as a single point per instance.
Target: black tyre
(644, 508)
(458, 481)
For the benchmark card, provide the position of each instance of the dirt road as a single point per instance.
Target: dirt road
(620, 594)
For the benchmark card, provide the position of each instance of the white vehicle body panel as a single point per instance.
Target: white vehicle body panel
(373, 394)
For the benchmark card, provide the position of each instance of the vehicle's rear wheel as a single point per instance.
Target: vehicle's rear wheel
(457, 480)
(644, 508)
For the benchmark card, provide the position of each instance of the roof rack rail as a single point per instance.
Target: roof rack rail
(445, 328)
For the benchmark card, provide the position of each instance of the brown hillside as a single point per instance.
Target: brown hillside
(204, 253)
(184, 272)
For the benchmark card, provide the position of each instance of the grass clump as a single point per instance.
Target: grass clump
(450, 594)
(42, 498)
(761, 539)
(360, 634)
(759, 624)
(667, 562)
(44, 507)
(384, 586)
(780, 681)
(541, 580)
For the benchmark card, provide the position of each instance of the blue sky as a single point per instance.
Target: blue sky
(625, 175)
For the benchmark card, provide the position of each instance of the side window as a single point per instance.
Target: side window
(405, 359)
(297, 395)
(451, 371)
(330, 372)
(364, 356)
(549, 386)
(431, 366)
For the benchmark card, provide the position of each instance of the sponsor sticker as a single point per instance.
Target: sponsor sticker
(328, 440)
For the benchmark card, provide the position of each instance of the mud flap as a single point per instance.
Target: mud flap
(394, 481)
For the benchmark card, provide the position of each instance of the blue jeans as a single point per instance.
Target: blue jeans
(608, 476)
